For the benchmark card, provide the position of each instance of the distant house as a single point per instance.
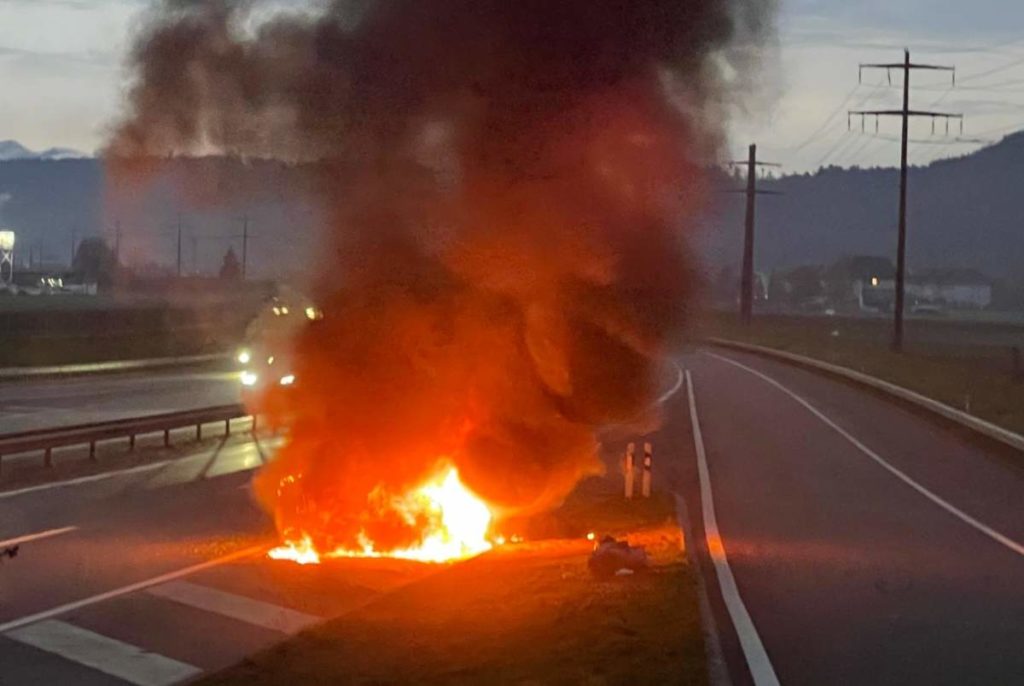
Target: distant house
(957, 289)
(954, 288)
(859, 282)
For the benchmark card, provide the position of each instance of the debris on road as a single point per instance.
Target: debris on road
(612, 557)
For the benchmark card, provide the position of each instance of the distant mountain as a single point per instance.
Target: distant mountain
(13, 150)
(966, 212)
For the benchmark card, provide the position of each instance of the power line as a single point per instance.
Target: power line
(807, 141)
(994, 70)
(844, 140)
(842, 144)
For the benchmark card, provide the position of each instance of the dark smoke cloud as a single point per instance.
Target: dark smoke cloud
(508, 184)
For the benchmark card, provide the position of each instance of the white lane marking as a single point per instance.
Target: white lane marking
(902, 476)
(760, 666)
(28, 538)
(122, 660)
(249, 610)
(675, 389)
(131, 471)
(718, 672)
(88, 479)
(130, 588)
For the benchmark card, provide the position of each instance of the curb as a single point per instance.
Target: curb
(16, 373)
(987, 429)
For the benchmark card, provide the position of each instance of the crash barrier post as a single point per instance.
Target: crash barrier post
(629, 469)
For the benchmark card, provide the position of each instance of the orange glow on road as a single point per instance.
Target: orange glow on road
(457, 525)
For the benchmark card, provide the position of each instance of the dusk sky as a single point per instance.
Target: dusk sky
(62, 74)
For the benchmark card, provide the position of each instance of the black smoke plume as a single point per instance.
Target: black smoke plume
(508, 187)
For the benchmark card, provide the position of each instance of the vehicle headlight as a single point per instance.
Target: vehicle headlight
(249, 378)
(244, 356)
(287, 380)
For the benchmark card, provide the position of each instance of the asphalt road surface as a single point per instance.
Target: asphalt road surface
(43, 404)
(848, 540)
(154, 577)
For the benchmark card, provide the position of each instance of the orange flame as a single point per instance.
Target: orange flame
(458, 529)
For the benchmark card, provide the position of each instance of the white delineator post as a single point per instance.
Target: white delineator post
(645, 484)
(629, 469)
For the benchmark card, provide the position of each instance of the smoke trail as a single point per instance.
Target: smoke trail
(508, 184)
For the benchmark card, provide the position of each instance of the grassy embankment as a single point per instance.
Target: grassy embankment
(523, 614)
(70, 329)
(966, 365)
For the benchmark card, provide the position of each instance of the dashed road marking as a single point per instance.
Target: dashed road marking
(983, 528)
(28, 538)
(256, 612)
(760, 665)
(122, 660)
(131, 588)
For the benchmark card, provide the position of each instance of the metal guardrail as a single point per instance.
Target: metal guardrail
(21, 373)
(47, 440)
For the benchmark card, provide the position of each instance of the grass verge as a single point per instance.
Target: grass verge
(522, 614)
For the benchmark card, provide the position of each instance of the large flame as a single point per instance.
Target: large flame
(456, 526)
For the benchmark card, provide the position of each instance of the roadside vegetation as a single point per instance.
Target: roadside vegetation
(529, 613)
(72, 329)
(968, 365)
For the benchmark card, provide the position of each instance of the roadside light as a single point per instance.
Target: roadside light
(287, 380)
(874, 281)
(244, 357)
(270, 360)
(249, 378)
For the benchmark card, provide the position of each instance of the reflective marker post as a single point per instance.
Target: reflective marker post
(645, 488)
(629, 468)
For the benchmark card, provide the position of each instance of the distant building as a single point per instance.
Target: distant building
(954, 288)
(958, 289)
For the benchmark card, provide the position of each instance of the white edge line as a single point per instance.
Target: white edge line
(759, 664)
(675, 389)
(131, 588)
(141, 469)
(882, 462)
(88, 479)
(718, 671)
(28, 538)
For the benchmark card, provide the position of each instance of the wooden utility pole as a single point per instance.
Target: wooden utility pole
(117, 242)
(906, 113)
(245, 245)
(179, 245)
(747, 275)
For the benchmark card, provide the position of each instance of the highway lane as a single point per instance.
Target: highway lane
(153, 577)
(849, 573)
(47, 403)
